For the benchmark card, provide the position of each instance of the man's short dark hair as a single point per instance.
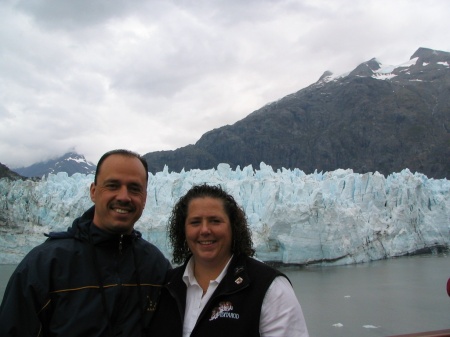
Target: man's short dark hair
(121, 152)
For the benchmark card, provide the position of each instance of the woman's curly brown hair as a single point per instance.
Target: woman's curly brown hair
(241, 234)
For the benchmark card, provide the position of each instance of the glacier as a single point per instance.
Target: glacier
(324, 218)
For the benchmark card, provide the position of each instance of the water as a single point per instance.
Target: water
(381, 298)
(5, 272)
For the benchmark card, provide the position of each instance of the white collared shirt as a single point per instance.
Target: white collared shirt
(281, 314)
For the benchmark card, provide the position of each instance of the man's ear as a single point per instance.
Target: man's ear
(92, 192)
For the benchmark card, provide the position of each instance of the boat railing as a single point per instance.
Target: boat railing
(437, 333)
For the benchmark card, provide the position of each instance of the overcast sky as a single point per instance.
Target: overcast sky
(95, 75)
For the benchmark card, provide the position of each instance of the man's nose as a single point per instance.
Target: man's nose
(123, 193)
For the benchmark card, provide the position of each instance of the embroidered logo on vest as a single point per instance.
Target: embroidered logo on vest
(223, 311)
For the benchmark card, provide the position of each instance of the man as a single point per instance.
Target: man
(100, 278)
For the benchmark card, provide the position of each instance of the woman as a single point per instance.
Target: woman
(220, 290)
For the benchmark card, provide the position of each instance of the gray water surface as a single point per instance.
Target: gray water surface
(380, 298)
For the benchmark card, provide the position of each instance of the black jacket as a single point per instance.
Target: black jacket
(84, 282)
(233, 310)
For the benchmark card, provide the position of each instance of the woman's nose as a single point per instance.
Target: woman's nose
(204, 229)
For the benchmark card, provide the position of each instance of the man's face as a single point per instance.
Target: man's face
(120, 193)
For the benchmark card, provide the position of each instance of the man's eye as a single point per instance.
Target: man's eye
(135, 189)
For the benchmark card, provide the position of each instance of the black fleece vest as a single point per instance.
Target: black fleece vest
(233, 310)
(235, 307)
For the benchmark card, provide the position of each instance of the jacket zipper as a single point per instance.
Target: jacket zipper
(120, 244)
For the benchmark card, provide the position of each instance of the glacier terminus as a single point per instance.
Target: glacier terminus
(327, 218)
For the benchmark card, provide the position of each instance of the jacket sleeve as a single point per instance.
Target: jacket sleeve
(23, 299)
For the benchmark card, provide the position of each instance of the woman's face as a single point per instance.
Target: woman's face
(208, 232)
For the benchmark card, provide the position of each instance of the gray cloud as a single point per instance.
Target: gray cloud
(70, 15)
(93, 75)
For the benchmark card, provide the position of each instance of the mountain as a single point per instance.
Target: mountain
(375, 118)
(5, 172)
(70, 162)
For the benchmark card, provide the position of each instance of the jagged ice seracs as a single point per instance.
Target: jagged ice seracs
(324, 218)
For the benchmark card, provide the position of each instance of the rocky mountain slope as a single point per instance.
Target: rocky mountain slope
(5, 172)
(375, 118)
(70, 162)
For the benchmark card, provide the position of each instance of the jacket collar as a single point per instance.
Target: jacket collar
(84, 229)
